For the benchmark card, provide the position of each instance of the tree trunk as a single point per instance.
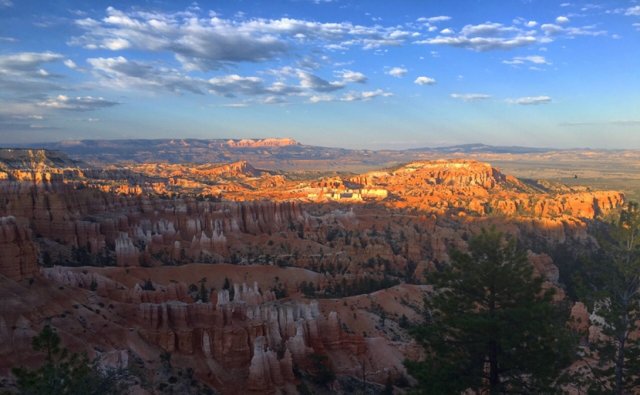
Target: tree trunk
(619, 371)
(494, 377)
(619, 368)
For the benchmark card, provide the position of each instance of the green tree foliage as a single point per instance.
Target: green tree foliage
(611, 281)
(322, 372)
(64, 372)
(203, 292)
(227, 286)
(490, 326)
(147, 285)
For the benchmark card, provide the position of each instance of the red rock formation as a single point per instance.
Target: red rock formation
(544, 266)
(18, 254)
(268, 142)
(579, 317)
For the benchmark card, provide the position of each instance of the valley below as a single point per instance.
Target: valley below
(261, 266)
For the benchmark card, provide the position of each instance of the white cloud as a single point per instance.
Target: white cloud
(121, 73)
(534, 59)
(116, 44)
(26, 62)
(423, 80)
(530, 100)
(397, 72)
(6, 3)
(274, 100)
(232, 85)
(366, 95)
(351, 96)
(491, 36)
(470, 97)
(321, 98)
(352, 76)
(70, 64)
(633, 11)
(551, 29)
(209, 43)
(25, 72)
(317, 84)
(485, 37)
(435, 19)
(637, 26)
(79, 103)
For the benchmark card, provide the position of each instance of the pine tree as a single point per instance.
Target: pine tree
(490, 325)
(65, 373)
(613, 280)
(203, 293)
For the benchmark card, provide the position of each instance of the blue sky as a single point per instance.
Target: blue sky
(357, 74)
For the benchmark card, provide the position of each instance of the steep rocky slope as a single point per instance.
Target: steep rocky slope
(329, 267)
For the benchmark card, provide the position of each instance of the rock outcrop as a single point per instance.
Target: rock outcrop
(18, 253)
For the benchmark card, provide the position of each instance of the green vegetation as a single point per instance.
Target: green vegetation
(64, 372)
(490, 326)
(147, 285)
(203, 291)
(344, 288)
(610, 284)
(322, 372)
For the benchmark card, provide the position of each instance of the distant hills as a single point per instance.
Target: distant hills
(273, 153)
(484, 148)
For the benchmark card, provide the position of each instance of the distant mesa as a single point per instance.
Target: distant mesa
(21, 158)
(269, 142)
(37, 165)
(482, 148)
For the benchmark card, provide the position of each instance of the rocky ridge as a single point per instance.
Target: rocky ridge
(348, 252)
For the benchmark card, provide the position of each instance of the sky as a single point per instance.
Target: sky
(354, 74)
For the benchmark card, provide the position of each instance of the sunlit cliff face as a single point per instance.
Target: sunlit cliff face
(361, 243)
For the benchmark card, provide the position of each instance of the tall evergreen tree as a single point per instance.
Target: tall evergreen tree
(612, 279)
(66, 373)
(490, 325)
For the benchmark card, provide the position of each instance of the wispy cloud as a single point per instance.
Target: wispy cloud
(122, 73)
(531, 59)
(603, 123)
(351, 96)
(530, 100)
(484, 37)
(397, 72)
(273, 86)
(79, 103)
(633, 11)
(366, 95)
(470, 97)
(27, 72)
(553, 30)
(424, 80)
(435, 19)
(27, 63)
(210, 43)
(352, 76)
